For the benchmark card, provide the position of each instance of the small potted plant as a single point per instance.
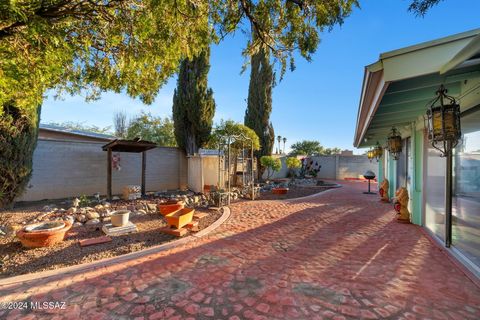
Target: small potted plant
(120, 218)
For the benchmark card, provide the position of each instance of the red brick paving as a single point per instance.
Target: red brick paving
(334, 256)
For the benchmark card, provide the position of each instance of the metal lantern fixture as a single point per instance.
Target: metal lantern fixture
(443, 122)
(378, 151)
(394, 143)
(371, 154)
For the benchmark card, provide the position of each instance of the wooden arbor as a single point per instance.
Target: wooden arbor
(135, 146)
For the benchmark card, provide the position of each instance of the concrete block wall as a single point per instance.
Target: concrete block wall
(355, 167)
(337, 167)
(63, 169)
(328, 169)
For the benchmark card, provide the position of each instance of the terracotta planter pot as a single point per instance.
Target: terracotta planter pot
(180, 218)
(170, 206)
(120, 218)
(43, 238)
(279, 190)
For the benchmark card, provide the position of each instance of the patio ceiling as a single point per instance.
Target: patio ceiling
(397, 89)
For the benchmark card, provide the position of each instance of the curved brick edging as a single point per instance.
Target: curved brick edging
(316, 194)
(118, 259)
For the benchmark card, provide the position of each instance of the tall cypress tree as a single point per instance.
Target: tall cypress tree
(193, 104)
(18, 138)
(259, 103)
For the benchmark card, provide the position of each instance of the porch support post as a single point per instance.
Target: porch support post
(109, 174)
(448, 197)
(144, 164)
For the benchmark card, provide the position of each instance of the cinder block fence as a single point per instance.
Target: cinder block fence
(63, 169)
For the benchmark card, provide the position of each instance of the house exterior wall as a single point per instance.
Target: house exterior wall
(63, 169)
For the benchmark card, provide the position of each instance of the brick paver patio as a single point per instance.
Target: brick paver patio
(334, 256)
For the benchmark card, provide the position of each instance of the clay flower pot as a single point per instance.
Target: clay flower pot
(279, 190)
(170, 206)
(39, 237)
(180, 218)
(120, 218)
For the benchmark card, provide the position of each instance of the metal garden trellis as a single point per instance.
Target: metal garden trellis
(225, 154)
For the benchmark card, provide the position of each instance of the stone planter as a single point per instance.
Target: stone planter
(180, 218)
(43, 237)
(170, 206)
(279, 190)
(120, 218)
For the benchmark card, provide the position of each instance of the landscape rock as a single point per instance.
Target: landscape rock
(81, 218)
(93, 221)
(71, 210)
(78, 224)
(92, 215)
(152, 207)
(70, 219)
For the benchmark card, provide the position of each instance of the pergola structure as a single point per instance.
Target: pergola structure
(134, 146)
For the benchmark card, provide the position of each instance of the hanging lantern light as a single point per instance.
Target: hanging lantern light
(371, 154)
(443, 122)
(394, 143)
(378, 151)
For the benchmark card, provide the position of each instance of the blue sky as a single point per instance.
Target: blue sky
(319, 100)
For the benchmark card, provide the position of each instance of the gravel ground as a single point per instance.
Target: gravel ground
(293, 192)
(16, 260)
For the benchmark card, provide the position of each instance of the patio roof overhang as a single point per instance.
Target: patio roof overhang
(397, 88)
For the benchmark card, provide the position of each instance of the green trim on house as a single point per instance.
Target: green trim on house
(392, 176)
(380, 176)
(417, 186)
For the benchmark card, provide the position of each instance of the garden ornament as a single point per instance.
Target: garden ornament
(383, 191)
(76, 202)
(401, 205)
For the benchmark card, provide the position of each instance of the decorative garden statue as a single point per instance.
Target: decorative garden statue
(76, 202)
(401, 205)
(383, 190)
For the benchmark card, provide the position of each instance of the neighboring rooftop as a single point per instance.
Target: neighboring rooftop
(58, 132)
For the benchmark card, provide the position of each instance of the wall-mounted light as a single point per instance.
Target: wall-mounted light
(371, 154)
(378, 151)
(443, 122)
(394, 143)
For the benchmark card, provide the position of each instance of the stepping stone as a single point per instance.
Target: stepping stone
(93, 241)
(175, 232)
(110, 230)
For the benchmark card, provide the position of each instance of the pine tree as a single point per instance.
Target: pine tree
(18, 138)
(193, 104)
(259, 103)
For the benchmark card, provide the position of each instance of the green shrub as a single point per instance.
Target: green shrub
(292, 164)
(271, 164)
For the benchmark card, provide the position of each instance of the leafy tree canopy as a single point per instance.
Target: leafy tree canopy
(136, 45)
(310, 148)
(151, 128)
(245, 135)
(306, 148)
(420, 7)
